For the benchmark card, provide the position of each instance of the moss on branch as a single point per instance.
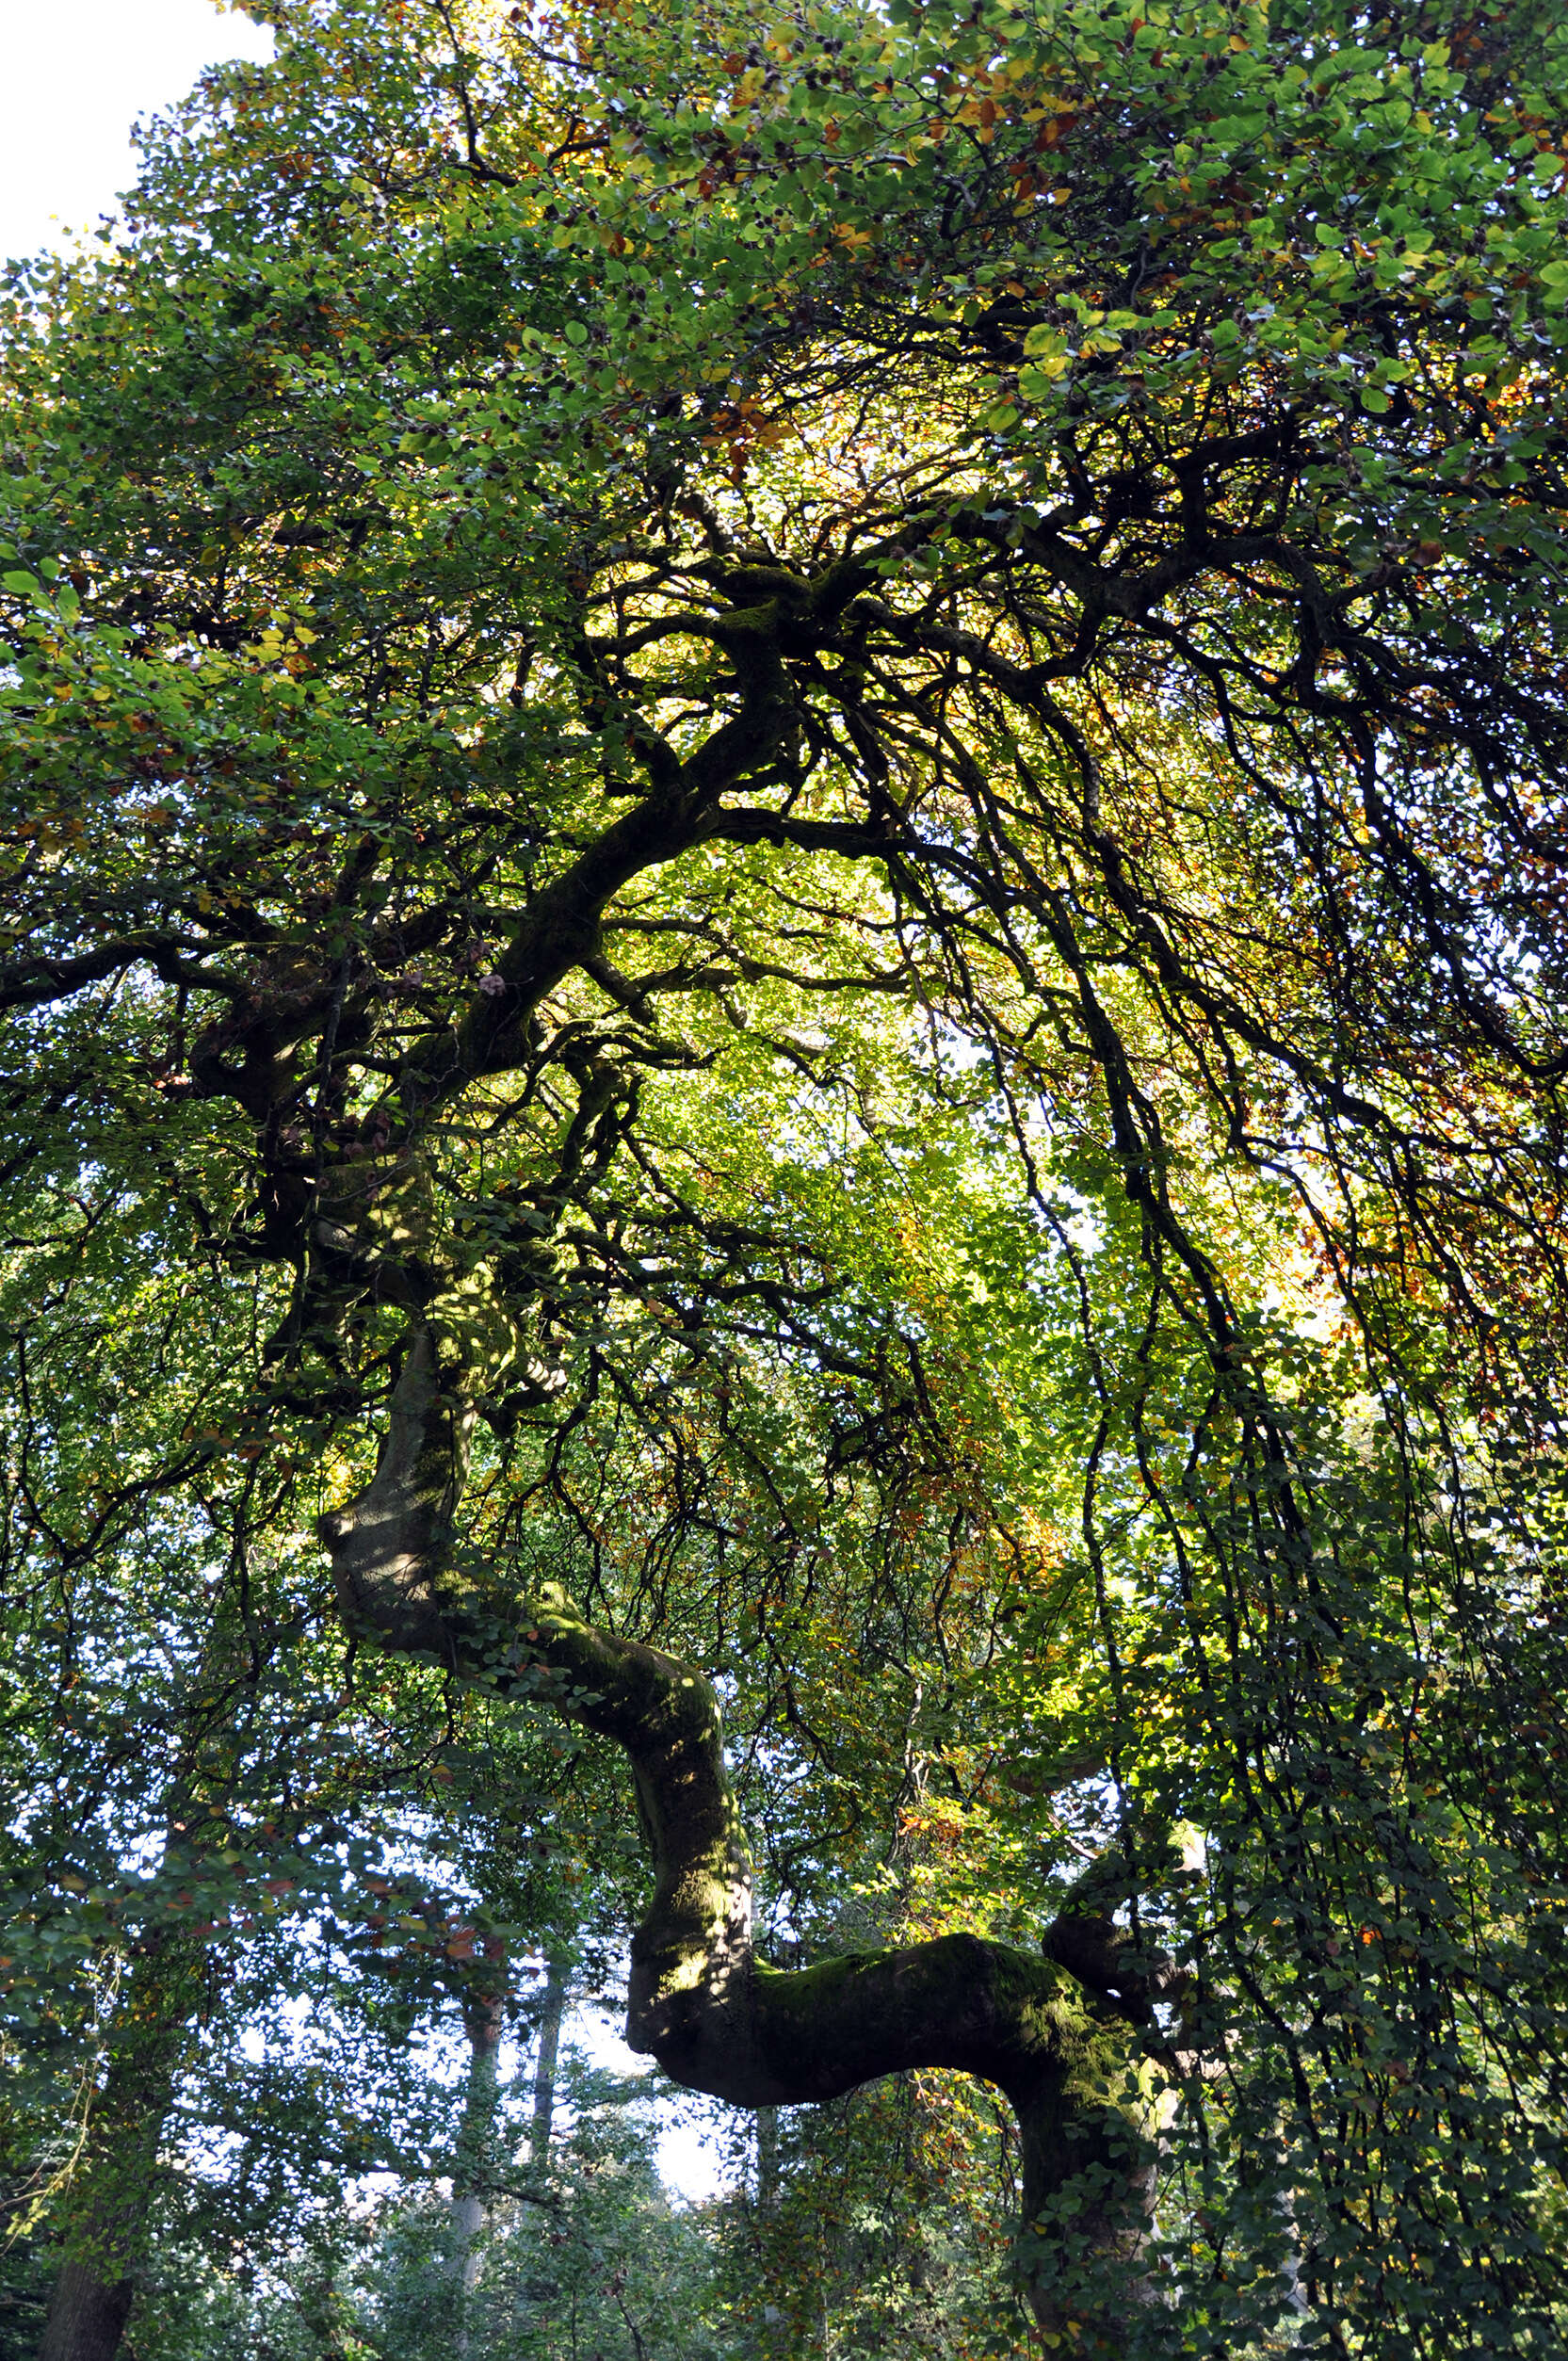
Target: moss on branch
(717, 2018)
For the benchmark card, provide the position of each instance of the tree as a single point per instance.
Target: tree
(717, 718)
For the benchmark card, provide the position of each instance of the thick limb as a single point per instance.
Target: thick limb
(700, 2001)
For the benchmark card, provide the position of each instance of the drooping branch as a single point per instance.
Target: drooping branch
(1044, 2030)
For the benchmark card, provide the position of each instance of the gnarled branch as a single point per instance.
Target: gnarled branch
(715, 2017)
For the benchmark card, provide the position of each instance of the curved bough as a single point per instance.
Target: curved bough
(1055, 2033)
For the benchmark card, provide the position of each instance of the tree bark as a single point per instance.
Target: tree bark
(105, 2208)
(107, 2205)
(87, 2312)
(700, 2001)
(768, 2159)
(544, 2072)
(483, 2014)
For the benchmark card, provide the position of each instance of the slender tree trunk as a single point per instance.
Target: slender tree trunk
(1056, 2034)
(483, 2014)
(544, 2071)
(542, 2289)
(768, 2159)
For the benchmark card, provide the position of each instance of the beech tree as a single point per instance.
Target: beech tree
(785, 845)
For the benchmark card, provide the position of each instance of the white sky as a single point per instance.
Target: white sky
(78, 74)
(690, 2161)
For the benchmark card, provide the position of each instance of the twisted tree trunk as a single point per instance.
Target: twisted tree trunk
(1044, 2030)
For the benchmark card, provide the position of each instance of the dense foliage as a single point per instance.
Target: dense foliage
(816, 755)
